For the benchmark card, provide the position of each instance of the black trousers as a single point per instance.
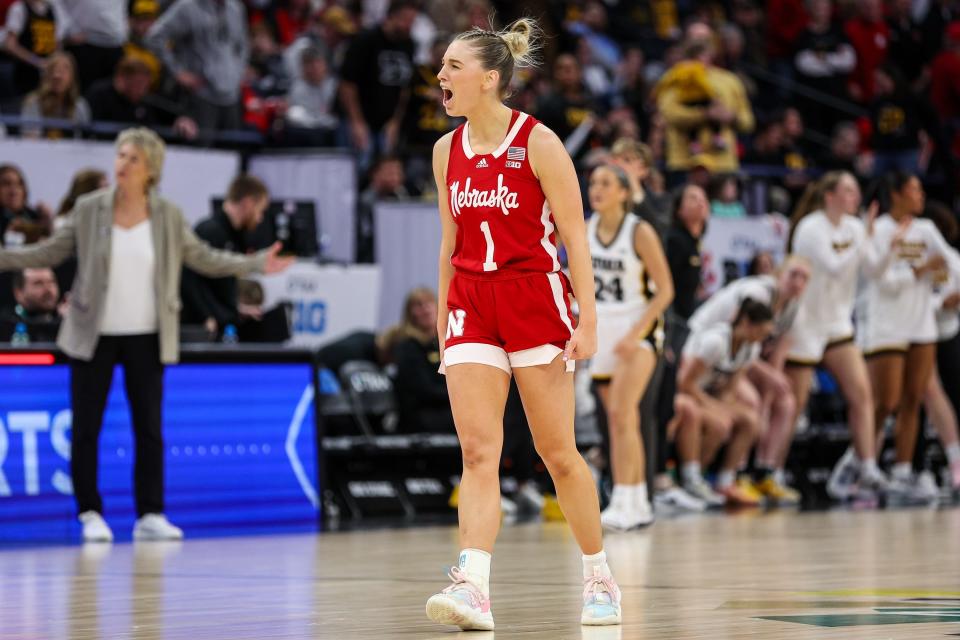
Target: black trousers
(677, 333)
(89, 386)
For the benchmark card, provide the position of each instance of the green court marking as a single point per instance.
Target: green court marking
(861, 620)
(893, 615)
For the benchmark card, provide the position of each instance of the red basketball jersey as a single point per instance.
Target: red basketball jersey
(504, 224)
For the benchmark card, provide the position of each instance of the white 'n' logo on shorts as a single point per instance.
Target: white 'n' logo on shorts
(455, 323)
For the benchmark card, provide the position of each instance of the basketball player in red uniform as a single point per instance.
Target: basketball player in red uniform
(507, 189)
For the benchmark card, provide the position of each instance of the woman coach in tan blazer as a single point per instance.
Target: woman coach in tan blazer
(130, 244)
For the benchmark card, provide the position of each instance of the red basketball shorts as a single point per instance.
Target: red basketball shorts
(508, 322)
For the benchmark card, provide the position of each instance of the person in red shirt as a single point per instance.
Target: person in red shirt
(870, 37)
(507, 189)
(945, 76)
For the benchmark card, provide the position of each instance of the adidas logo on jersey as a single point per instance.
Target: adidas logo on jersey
(482, 164)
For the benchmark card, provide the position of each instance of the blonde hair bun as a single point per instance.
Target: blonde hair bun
(523, 41)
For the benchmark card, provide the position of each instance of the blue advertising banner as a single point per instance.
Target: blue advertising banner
(239, 441)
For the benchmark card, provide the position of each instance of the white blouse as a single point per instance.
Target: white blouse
(131, 301)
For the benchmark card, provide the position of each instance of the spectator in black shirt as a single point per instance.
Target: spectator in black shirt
(897, 119)
(421, 389)
(37, 306)
(212, 302)
(121, 98)
(823, 62)
(387, 182)
(569, 110)
(844, 153)
(425, 120)
(375, 81)
(126, 98)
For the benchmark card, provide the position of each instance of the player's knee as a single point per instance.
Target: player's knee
(749, 421)
(720, 428)
(560, 461)
(616, 417)
(478, 454)
(686, 409)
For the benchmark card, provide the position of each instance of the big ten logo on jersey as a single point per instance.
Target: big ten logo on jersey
(501, 197)
(455, 323)
(29, 425)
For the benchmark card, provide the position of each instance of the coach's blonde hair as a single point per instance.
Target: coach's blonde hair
(502, 51)
(152, 148)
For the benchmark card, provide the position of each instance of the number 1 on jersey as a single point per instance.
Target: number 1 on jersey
(488, 264)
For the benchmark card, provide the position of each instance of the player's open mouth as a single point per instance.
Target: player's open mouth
(447, 96)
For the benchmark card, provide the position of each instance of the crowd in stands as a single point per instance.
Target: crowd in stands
(692, 100)
(798, 86)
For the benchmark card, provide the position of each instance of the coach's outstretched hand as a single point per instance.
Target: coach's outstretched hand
(276, 263)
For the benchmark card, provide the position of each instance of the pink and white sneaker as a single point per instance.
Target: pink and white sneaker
(462, 604)
(601, 600)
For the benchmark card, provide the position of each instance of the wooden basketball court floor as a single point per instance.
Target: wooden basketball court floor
(839, 574)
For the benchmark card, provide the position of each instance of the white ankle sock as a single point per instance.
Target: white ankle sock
(779, 477)
(640, 496)
(902, 470)
(868, 465)
(476, 564)
(953, 453)
(691, 472)
(597, 561)
(620, 497)
(725, 478)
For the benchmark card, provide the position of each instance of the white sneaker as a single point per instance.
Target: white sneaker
(842, 482)
(676, 499)
(702, 491)
(926, 487)
(462, 604)
(95, 528)
(618, 519)
(508, 508)
(155, 526)
(919, 488)
(601, 601)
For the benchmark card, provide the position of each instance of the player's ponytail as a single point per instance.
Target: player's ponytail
(812, 200)
(502, 51)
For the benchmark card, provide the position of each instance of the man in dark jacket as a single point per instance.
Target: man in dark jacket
(213, 302)
(37, 306)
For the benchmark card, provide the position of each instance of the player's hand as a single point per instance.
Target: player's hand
(627, 347)
(952, 301)
(582, 344)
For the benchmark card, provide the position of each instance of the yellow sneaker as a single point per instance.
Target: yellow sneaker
(748, 491)
(454, 501)
(778, 493)
(551, 509)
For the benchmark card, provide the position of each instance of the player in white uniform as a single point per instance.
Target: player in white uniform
(937, 404)
(633, 289)
(827, 232)
(898, 327)
(782, 294)
(713, 407)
